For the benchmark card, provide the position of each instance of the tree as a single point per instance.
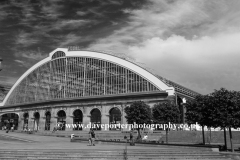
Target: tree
(227, 110)
(208, 110)
(194, 113)
(165, 113)
(219, 109)
(199, 110)
(139, 113)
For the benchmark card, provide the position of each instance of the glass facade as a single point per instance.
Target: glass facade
(75, 77)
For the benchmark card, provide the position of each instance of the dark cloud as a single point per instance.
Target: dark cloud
(29, 26)
(186, 41)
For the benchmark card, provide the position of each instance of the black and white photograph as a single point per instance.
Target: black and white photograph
(120, 79)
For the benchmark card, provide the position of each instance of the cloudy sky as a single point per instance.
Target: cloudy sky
(195, 43)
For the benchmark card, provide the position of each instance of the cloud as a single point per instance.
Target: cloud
(19, 61)
(116, 2)
(27, 58)
(194, 43)
(34, 55)
(3, 14)
(81, 13)
(72, 39)
(185, 18)
(69, 39)
(24, 11)
(7, 81)
(207, 62)
(51, 10)
(25, 39)
(69, 24)
(190, 42)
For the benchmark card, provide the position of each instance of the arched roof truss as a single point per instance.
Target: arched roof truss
(73, 74)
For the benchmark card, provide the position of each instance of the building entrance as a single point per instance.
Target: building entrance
(77, 119)
(10, 120)
(96, 119)
(115, 119)
(61, 120)
(36, 121)
(48, 121)
(25, 121)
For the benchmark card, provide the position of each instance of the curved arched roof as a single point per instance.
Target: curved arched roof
(158, 83)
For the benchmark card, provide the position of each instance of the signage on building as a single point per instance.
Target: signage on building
(74, 48)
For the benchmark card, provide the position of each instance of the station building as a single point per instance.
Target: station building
(81, 86)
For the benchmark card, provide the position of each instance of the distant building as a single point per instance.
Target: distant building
(78, 87)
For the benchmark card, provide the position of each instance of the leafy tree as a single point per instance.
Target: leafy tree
(194, 113)
(227, 110)
(139, 113)
(201, 111)
(166, 112)
(219, 109)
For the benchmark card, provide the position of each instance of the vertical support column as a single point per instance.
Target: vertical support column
(86, 122)
(105, 121)
(104, 78)
(69, 120)
(20, 122)
(183, 109)
(54, 118)
(124, 121)
(31, 121)
(37, 77)
(84, 77)
(126, 81)
(65, 79)
(183, 113)
(50, 80)
(41, 123)
(53, 123)
(31, 124)
(25, 93)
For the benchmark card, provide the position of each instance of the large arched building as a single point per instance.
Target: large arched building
(78, 87)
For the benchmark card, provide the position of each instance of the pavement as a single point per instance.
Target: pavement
(14, 140)
(23, 142)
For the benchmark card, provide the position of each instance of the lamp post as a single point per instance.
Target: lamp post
(184, 109)
(0, 63)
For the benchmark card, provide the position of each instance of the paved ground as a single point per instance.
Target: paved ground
(13, 140)
(21, 142)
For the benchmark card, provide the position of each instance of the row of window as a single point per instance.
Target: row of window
(72, 77)
(114, 118)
